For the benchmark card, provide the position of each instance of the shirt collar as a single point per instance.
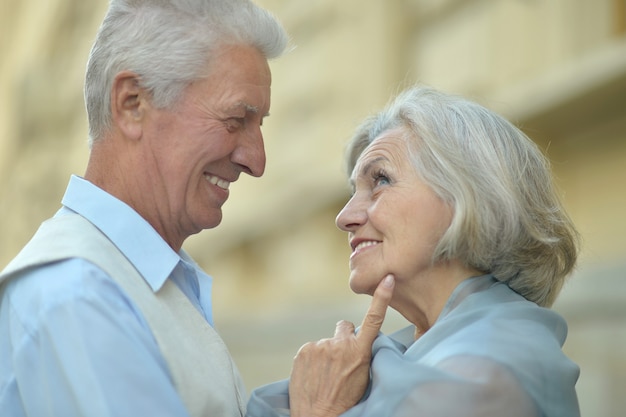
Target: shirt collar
(130, 233)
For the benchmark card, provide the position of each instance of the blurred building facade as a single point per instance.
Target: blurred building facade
(557, 68)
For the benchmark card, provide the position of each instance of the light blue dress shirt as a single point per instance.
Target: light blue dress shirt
(72, 343)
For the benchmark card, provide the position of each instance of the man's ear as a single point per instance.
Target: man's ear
(129, 102)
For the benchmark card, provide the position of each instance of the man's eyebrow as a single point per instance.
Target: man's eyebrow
(249, 108)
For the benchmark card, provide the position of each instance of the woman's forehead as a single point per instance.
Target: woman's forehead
(390, 145)
(390, 141)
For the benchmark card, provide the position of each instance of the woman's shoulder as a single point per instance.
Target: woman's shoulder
(495, 322)
(485, 302)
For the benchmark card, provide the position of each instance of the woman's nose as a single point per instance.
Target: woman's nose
(353, 214)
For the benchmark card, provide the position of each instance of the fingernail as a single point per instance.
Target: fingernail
(388, 281)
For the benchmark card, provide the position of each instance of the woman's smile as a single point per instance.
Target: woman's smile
(362, 246)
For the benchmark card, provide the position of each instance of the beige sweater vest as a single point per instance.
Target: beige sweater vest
(202, 369)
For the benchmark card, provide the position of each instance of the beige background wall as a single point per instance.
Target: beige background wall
(555, 67)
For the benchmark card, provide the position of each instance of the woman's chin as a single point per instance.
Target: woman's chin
(360, 285)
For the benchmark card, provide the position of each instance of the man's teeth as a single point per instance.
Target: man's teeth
(217, 181)
(366, 244)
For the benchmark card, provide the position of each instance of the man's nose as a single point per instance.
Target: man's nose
(250, 152)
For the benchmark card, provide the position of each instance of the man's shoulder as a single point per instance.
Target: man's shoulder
(42, 287)
(74, 286)
(58, 239)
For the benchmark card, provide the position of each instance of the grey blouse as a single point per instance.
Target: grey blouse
(491, 353)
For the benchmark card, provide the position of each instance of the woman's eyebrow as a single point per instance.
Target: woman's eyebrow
(365, 169)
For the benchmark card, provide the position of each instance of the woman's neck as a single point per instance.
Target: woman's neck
(421, 299)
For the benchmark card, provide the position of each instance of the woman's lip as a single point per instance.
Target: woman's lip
(363, 245)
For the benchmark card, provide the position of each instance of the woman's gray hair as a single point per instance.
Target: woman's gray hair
(508, 218)
(169, 44)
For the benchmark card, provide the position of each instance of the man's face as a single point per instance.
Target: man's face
(194, 151)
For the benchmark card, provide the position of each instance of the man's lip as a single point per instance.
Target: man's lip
(217, 181)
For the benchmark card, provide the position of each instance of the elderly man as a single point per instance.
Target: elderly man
(102, 313)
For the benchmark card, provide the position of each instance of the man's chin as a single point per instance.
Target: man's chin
(213, 221)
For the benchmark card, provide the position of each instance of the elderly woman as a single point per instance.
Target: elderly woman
(457, 204)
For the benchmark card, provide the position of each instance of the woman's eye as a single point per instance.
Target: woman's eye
(380, 178)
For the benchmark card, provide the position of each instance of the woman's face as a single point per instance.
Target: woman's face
(394, 220)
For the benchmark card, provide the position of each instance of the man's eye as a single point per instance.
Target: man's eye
(235, 123)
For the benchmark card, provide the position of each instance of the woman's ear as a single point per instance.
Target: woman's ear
(128, 104)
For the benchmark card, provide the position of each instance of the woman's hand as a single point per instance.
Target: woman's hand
(330, 376)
